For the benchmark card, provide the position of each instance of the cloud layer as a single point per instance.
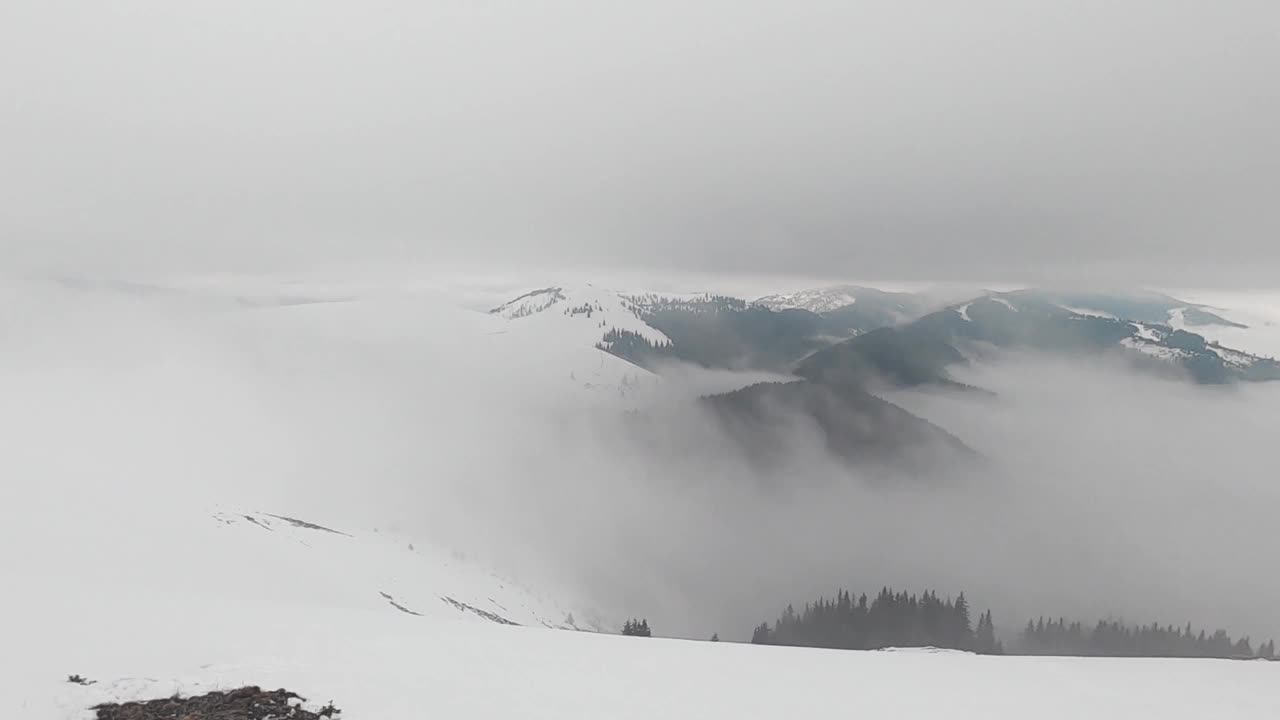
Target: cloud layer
(923, 140)
(1107, 493)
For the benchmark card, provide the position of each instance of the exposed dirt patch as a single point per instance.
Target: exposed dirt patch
(258, 522)
(491, 617)
(397, 605)
(246, 703)
(308, 525)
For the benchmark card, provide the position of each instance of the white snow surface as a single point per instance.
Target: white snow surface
(1234, 358)
(818, 300)
(1260, 311)
(383, 667)
(1006, 303)
(1089, 312)
(963, 310)
(1145, 347)
(1147, 332)
(586, 310)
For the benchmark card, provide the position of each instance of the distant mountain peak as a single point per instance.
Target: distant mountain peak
(920, 352)
(530, 303)
(1146, 306)
(817, 300)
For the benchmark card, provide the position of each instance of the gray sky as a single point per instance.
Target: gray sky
(899, 140)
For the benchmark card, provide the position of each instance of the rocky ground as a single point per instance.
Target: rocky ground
(246, 703)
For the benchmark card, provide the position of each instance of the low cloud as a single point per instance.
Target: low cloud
(1106, 492)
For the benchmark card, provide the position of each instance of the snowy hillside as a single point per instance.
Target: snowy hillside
(194, 485)
(587, 312)
(383, 667)
(818, 300)
(164, 596)
(590, 311)
(1158, 339)
(1256, 318)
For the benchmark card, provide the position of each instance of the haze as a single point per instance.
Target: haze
(161, 162)
(1107, 493)
(990, 140)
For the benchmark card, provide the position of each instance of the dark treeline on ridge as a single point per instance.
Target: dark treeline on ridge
(899, 619)
(889, 620)
(637, 628)
(1115, 639)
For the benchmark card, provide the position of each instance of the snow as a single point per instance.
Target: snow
(818, 300)
(1150, 348)
(549, 348)
(138, 551)
(1234, 358)
(149, 592)
(587, 311)
(963, 310)
(1147, 332)
(1088, 312)
(187, 492)
(1006, 303)
(385, 666)
(1260, 311)
(532, 302)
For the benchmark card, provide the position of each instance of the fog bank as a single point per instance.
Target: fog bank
(1106, 493)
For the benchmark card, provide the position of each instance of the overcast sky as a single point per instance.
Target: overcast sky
(904, 140)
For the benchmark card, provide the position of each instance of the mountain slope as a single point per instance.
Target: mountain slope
(431, 669)
(725, 333)
(921, 351)
(770, 420)
(202, 501)
(870, 305)
(905, 356)
(1146, 307)
(648, 329)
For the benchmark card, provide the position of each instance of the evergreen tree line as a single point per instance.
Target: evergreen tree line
(633, 347)
(899, 619)
(891, 619)
(1115, 639)
(637, 628)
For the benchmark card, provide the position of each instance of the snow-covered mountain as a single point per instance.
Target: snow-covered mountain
(818, 300)
(1254, 321)
(699, 329)
(1140, 305)
(919, 352)
(586, 312)
(887, 307)
(223, 495)
(443, 669)
(150, 595)
(202, 491)
(776, 332)
(1154, 325)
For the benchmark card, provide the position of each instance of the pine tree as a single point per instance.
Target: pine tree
(962, 624)
(715, 637)
(1244, 648)
(984, 640)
